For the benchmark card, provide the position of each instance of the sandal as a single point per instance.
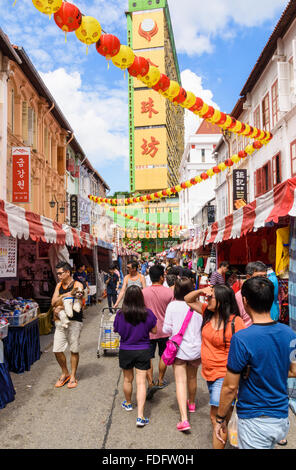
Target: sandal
(283, 442)
(72, 384)
(61, 382)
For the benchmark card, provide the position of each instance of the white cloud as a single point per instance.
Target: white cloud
(98, 118)
(197, 23)
(192, 82)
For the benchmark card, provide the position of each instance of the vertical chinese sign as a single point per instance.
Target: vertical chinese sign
(240, 194)
(21, 174)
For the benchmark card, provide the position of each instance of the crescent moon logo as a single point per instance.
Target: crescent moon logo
(148, 28)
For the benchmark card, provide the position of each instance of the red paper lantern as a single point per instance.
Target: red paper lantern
(163, 84)
(242, 154)
(183, 185)
(209, 113)
(257, 145)
(228, 162)
(242, 129)
(204, 176)
(164, 193)
(192, 181)
(149, 197)
(68, 18)
(233, 123)
(140, 66)
(108, 46)
(197, 106)
(181, 97)
(216, 169)
(251, 131)
(222, 119)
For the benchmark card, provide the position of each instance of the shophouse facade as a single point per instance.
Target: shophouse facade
(199, 156)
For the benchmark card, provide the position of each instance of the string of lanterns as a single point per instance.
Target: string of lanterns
(142, 221)
(249, 149)
(88, 30)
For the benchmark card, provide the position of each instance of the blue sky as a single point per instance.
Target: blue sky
(218, 43)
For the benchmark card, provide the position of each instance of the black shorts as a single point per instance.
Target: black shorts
(140, 359)
(161, 342)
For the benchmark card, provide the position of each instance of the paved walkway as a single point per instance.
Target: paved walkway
(90, 416)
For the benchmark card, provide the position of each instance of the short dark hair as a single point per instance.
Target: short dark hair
(65, 266)
(134, 264)
(224, 264)
(79, 265)
(182, 287)
(156, 272)
(174, 270)
(259, 292)
(255, 266)
(171, 279)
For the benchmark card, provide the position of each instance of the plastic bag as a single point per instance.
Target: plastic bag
(232, 429)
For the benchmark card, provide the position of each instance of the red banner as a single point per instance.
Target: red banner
(21, 174)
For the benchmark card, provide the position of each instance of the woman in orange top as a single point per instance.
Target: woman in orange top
(219, 314)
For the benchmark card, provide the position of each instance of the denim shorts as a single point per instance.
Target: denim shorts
(215, 391)
(262, 432)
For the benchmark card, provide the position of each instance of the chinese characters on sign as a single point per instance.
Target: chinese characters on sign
(148, 107)
(74, 210)
(150, 148)
(21, 174)
(239, 189)
(8, 256)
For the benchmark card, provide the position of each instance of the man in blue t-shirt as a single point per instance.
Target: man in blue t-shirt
(260, 360)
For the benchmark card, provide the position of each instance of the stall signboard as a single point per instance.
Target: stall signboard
(74, 210)
(211, 214)
(85, 228)
(21, 174)
(239, 189)
(8, 256)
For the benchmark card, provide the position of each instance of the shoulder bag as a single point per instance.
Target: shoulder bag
(173, 344)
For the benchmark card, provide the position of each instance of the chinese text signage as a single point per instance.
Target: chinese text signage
(74, 210)
(21, 174)
(239, 189)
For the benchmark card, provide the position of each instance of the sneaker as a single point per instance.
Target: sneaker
(163, 385)
(183, 426)
(127, 407)
(142, 422)
(151, 391)
(191, 407)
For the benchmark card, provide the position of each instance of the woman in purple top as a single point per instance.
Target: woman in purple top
(134, 322)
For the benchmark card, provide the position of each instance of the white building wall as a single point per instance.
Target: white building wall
(3, 125)
(194, 162)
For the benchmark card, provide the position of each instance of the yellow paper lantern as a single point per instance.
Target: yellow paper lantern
(222, 166)
(203, 110)
(237, 127)
(172, 91)
(190, 100)
(89, 31)
(210, 172)
(227, 122)
(235, 158)
(152, 77)
(125, 58)
(255, 132)
(48, 7)
(216, 116)
(178, 188)
(249, 149)
(188, 184)
(198, 179)
(247, 130)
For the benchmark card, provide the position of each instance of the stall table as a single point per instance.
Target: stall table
(22, 346)
(7, 391)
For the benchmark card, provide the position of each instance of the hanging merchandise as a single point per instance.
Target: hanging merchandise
(282, 251)
(48, 7)
(68, 18)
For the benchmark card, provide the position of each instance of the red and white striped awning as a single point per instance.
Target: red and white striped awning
(279, 202)
(19, 223)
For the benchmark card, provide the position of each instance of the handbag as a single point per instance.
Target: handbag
(173, 344)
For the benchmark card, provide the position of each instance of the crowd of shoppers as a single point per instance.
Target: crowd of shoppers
(245, 355)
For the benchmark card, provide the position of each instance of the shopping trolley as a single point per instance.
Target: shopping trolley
(108, 340)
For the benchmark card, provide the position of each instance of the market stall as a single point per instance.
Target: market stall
(7, 391)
